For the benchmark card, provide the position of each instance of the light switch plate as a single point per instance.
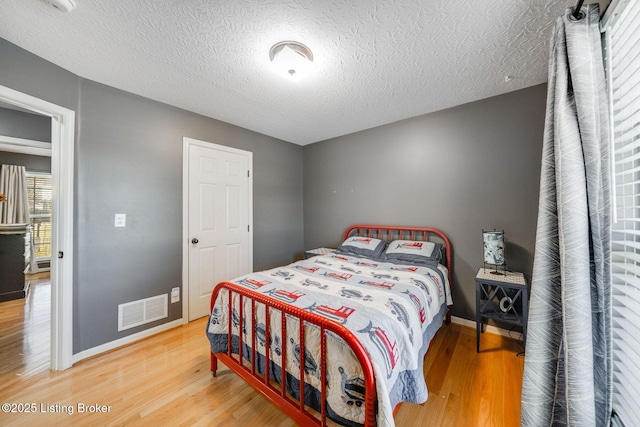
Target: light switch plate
(175, 295)
(121, 220)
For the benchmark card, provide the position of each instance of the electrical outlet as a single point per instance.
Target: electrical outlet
(121, 220)
(175, 295)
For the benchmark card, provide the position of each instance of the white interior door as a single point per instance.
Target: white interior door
(219, 228)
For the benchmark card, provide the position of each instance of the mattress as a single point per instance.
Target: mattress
(393, 309)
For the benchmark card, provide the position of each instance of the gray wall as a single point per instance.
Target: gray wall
(30, 74)
(461, 170)
(19, 124)
(129, 160)
(31, 163)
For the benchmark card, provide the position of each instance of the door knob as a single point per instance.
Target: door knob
(194, 241)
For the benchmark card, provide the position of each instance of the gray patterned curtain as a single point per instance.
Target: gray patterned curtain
(567, 373)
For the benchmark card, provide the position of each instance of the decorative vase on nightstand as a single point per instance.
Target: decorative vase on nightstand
(493, 250)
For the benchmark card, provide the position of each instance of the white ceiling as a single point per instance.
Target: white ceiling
(375, 62)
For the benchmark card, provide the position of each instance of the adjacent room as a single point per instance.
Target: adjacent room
(332, 213)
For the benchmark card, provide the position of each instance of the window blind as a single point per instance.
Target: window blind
(623, 66)
(39, 191)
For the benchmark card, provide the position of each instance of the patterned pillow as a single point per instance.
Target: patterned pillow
(365, 246)
(414, 252)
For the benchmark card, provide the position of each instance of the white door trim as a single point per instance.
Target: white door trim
(25, 146)
(186, 143)
(62, 172)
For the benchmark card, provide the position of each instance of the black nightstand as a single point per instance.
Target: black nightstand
(501, 297)
(315, 252)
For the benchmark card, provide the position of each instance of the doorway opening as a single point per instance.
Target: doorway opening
(61, 152)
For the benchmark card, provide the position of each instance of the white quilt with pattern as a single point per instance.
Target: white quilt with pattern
(394, 310)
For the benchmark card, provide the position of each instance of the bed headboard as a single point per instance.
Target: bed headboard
(399, 232)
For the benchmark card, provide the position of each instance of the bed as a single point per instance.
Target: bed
(342, 336)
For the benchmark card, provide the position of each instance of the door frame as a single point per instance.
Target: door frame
(62, 173)
(186, 144)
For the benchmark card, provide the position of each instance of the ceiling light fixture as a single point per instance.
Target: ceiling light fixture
(291, 59)
(63, 5)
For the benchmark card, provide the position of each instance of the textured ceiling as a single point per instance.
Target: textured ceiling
(376, 62)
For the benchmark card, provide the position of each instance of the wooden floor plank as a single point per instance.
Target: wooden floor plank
(165, 380)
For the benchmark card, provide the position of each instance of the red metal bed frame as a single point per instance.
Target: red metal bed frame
(276, 393)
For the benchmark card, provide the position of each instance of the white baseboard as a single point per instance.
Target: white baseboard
(124, 341)
(487, 328)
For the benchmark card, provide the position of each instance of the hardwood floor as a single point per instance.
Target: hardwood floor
(467, 388)
(25, 333)
(165, 380)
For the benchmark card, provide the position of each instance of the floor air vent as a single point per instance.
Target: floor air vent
(143, 311)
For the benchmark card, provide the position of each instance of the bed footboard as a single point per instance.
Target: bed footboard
(277, 393)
